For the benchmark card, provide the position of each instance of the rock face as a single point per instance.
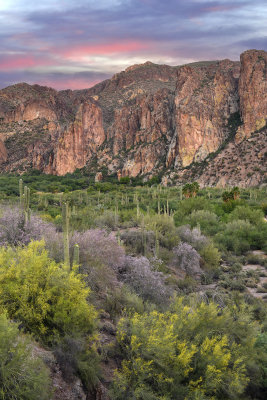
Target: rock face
(252, 92)
(150, 119)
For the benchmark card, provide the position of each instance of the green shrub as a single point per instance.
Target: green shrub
(211, 257)
(207, 220)
(22, 375)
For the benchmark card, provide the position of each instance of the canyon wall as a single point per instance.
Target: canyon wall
(147, 120)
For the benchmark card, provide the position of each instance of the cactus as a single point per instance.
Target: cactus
(65, 223)
(137, 209)
(20, 192)
(26, 205)
(156, 244)
(76, 255)
(144, 236)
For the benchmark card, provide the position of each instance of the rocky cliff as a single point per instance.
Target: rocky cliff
(150, 119)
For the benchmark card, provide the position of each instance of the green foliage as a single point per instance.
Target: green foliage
(207, 220)
(211, 257)
(195, 351)
(50, 301)
(186, 207)
(240, 236)
(22, 375)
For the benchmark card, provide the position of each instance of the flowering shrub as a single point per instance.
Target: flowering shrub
(14, 231)
(193, 237)
(98, 245)
(140, 276)
(187, 258)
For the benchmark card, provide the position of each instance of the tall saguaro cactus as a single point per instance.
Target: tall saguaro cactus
(21, 192)
(27, 211)
(65, 225)
(76, 255)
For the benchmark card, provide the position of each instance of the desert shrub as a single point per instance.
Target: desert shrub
(256, 259)
(187, 285)
(107, 220)
(75, 357)
(22, 375)
(160, 223)
(139, 241)
(207, 220)
(96, 244)
(44, 296)
(248, 214)
(192, 352)
(187, 259)
(193, 237)
(14, 231)
(139, 275)
(211, 257)
(123, 299)
(187, 206)
(238, 236)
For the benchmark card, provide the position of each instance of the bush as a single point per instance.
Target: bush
(192, 352)
(22, 375)
(137, 240)
(246, 213)
(238, 236)
(98, 245)
(207, 220)
(211, 257)
(50, 301)
(147, 283)
(186, 207)
(193, 237)
(187, 259)
(107, 220)
(14, 231)
(122, 299)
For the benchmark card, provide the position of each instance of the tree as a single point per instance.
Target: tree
(236, 192)
(190, 189)
(194, 188)
(187, 189)
(227, 196)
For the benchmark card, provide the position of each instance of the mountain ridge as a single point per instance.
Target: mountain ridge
(149, 119)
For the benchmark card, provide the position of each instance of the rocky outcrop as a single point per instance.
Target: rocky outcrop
(73, 146)
(147, 120)
(3, 152)
(252, 92)
(205, 99)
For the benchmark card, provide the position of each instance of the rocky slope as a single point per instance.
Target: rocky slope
(150, 119)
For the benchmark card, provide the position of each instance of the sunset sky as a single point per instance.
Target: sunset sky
(75, 44)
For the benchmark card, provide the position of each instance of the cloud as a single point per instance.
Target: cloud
(104, 37)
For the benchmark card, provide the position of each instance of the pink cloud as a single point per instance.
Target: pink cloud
(17, 62)
(103, 49)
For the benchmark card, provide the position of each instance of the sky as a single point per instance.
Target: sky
(76, 44)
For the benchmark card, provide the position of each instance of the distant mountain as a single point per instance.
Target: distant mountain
(204, 121)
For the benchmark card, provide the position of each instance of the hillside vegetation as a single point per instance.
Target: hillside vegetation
(128, 291)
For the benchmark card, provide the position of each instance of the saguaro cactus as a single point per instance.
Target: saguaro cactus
(65, 225)
(21, 192)
(27, 211)
(76, 255)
